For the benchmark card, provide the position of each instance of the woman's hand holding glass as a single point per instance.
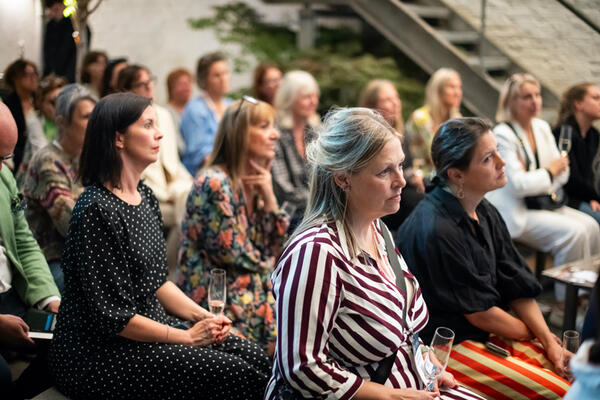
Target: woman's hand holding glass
(447, 380)
(570, 345)
(554, 352)
(559, 165)
(209, 331)
(436, 358)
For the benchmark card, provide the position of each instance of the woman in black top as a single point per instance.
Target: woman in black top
(579, 109)
(114, 337)
(458, 247)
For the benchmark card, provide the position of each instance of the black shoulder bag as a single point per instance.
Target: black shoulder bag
(283, 391)
(543, 201)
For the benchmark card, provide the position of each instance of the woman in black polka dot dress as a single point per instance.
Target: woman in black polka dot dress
(114, 337)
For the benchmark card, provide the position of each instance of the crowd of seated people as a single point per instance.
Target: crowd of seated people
(302, 215)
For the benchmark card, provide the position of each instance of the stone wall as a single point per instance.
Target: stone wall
(542, 36)
(590, 8)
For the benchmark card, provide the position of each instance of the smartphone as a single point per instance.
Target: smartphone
(41, 323)
(499, 351)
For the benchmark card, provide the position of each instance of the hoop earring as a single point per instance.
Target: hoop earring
(460, 193)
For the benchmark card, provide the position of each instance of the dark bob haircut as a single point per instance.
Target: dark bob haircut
(128, 76)
(203, 67)
(106, 89)
(454, 144)
(90, 58)
(100, 161)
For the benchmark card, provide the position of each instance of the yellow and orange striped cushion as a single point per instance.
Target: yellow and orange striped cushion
(526, 374)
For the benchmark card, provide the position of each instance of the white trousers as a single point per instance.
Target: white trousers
(566, 233)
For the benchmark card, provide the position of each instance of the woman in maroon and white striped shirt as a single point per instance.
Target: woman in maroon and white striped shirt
(339, 312)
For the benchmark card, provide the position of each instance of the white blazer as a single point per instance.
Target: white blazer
(167, 177)
(509, 200)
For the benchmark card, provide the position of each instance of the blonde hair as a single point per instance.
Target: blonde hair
(346, 142)
(231, 142)
(369, 98)
(294, 84)
(434, 92)
(509, 91)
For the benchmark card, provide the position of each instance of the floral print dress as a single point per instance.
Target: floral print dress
(218, 233)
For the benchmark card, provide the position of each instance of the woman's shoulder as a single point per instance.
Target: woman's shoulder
(212, 179)
(48, 157)
(421, 116)
(147, 193)
(502, 128)
(195, 107)
(541, 125)
(93, 199)
(323, 237)
(433, 219)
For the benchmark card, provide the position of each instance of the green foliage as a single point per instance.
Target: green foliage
(339, 62)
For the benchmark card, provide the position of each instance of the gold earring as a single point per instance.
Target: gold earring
(460, 193)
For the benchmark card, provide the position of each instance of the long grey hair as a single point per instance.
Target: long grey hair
(345, 143)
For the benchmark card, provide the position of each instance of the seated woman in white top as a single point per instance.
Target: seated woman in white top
(535, 167)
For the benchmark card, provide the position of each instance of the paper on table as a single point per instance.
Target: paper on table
(577, 275)
(40, 335)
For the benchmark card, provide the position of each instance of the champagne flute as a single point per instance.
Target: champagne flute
(570, 343)
(564, 140)
(217, 291)
(437, 355)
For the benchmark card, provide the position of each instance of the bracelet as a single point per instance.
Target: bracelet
(167, 339)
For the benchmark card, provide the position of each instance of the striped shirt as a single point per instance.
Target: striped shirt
(338, 318)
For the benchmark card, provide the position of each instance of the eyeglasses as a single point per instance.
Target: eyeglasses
(30, 74)
(145, 84)
(6, 158)
(249, 99)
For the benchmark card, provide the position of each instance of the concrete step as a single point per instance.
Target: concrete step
(490, 63)
(460, 37)
(429, 12)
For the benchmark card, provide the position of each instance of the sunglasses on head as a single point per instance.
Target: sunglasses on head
(249, 99)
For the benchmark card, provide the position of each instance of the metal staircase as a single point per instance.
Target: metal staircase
(433, 36)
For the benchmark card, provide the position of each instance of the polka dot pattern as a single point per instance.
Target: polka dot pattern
(114, 261)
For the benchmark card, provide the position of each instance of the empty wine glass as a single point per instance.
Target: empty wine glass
(217, 291)
(564, 140)
(437, 355)
(570, 344)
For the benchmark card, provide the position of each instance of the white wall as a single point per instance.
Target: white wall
(155, 33)
(20, 21)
